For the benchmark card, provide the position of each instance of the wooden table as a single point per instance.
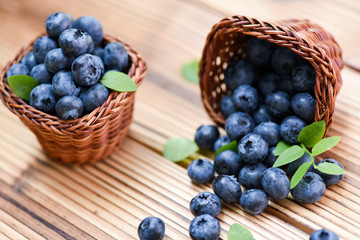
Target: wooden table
(42, 199)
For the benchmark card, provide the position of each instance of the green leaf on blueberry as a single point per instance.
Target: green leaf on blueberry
(177, 149)
(330, 168)
(325, 144)
(281, 147)
(300, 172)
(190, 71)
(22, 85)
(312, 133)
(289, 155)
(239, 232)
(118, 81)
(232, 146)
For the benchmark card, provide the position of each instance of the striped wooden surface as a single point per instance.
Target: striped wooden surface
(42, 199)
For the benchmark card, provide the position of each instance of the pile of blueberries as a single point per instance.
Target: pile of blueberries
(68, 64)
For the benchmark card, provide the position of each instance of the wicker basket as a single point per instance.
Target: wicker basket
(228, 38)
(86, 139)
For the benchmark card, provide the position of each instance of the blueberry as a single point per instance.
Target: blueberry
(41, 74)
(270, 158)
(206, 135)
(29, 60)
(56, 23)
(227, 188)
(254, 201)
(98, 51)
(284, 60)
(269, 83)
(303, 78)
(293, 166)
(245, 98)
(238, 72)
(323, 234)
(250, 175)
(151, 228)
(252, 148)
(56, 60)
(275, 183)
(327, 178)
(64, 85)
(227, 106)
(310, 188)
(201, 171)
(115, 56)
(269, 131)
(258, 51)
(290, 128)
(75, 42)
(87, 69)
(17, 69)
(90, 25)
(42, 46)
(278, 104)
(304, 105)
(94, 97)
(69, 107)
(261, 114)
(204, 227)
(205, 203)
(227, 162)
(43, 98)
(286, 85)
(238, 125)
(221, 141)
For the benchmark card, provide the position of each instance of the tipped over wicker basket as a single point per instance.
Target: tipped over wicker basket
(86, 139)
(313, 43)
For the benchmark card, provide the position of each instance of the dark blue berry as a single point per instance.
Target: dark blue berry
(42, 46)
(252, 148)
(205, 203)
(238, 125)
(286, 85)
(284, 61)
(327, 178)
(258, 51)
(87, 69)
(290, 128)
(269, 131)
(221, 141)
(270, 158)
(115, 57)
(227, 188)
(204, 227)
(227, 106)
(201, 171)
(323, 234)
(275, 183)
(43, 98)
(151, 228)
(303, 78)
(310, 188)
(304, 105)
(227, 162)
(17, 69)
(29, 60)
(90, 25)
(269, 83)
(64, 85)
(75, 42)
(69, 107)
(254, 201)
(56, 60)
(206, 135)
(250, 175)
(238, 72)
(94, 97)
(261, 114)
(278, 104)
(293, 166)
(98, 51)
(56, 23)
(41, 74)
(245, 98)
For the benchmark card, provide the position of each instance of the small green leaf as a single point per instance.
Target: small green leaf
(298, 175)
(22, 85)
(239, 232)
(176, 149)
(118, 81)
(324, 145)
(280, 147)
(190, 71)
(330, 168)
(232, 146)
(312, 133)
(289, 155)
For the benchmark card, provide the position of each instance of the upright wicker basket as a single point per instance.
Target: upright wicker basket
(313, 43)
(86, 139)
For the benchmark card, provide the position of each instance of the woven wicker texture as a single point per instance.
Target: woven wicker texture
(86, 139)
(228, 39)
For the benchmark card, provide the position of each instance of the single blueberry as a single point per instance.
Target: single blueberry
(284, 60)
(221, 141)
(75, 42)
(227, 106)
(286, 85)
(29, 60)
(238, 72)
(250, 175)
(270, 158)
(245, 98)
(69, 107)
(238, 124)
(205, 203)
(201, 171)
(94, 97)
(17, 69)
(98, 51)
(269, 83)
(41, 74)
(323, 234)
(252, 148)
(290, 128)
(90, 25)
(56, 23)
(327, 178)
(269, 131)
(206, 135)
(304, 105)
(227, 188)
(204, 227)
(254, 201)
(261, 114)
(258, 51)
(42, 46)
(278, 104)
(293, 166)
(310, 188)
(275, 183)
(87, 69)
(43, 98)
(64, 85)
(227, 162)
(56, 60)
(115, 57)
(151, 228)
(303, 78)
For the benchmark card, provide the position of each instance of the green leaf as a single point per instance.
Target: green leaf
(176, 149)
(239, 232)
(190, 71)
(232, 146)
(118, 81)
(289, 155)
(312, 133)
(324, 145)
(22, 85)
(330, 168)
(298, 175)
(280, 147)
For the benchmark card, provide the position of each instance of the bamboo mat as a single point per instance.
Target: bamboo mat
(42, 199)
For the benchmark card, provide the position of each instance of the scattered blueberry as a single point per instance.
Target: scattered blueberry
(270, 157)
(91, 25)
(323, 234)
(201, 171)
(238, 72)
(310, 188)
(303, 78)
(290, 128)
(29, 60)
(42, 46)
(250, 175)
(43, 98)
(258, 51)
(56, 23)
(293, 166)
(41, 74)
(327, 178)
(64, 85)
(151, 228)
(269, 131)
(227, 162)
(278, 104)
(275, 183)
(227, 106)
(227, 188)
(115, 57)
(17, 69)
(221, 141)
(69, 107)
(284, 60)
(261, 115)
(254, 201)
(87, 69)
(238, 125)
(56, 60)
(206, 135)
(75, 42)
(252, 148)
(205, 203)
(269, 83)
(94, 97)
(304, 105)
(204, 227)
(245, 98)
